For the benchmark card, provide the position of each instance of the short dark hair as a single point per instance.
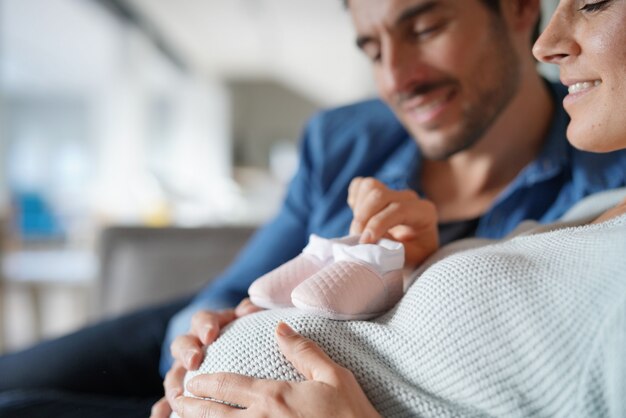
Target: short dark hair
(494, 6)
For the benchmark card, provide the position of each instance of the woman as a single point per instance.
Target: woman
(533, 325)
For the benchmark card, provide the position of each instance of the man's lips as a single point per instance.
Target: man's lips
(421, 93)
(424, 108)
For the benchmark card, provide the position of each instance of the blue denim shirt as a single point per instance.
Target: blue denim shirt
(366, 139)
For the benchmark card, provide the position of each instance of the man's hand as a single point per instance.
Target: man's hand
(329, 391)
(400, 215)
(188, 352)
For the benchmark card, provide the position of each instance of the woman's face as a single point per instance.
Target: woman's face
(587, 40)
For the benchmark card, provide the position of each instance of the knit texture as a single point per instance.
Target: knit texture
(534, 325)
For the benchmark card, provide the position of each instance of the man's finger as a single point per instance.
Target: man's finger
(188, 350)
(161, 409)
(356, 227)
(306, 356)
(174, 382)
(246, 307)
(395, 214)
(206, 325)
(353, 190)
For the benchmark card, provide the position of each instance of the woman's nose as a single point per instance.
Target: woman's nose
(557, 41)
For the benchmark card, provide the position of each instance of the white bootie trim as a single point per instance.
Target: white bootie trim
(385, 256)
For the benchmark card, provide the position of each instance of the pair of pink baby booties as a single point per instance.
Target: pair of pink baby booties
(336, 278)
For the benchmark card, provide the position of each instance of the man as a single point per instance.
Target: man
(491, 151)
(460, 77)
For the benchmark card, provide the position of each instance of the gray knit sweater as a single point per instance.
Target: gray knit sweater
(534, 325)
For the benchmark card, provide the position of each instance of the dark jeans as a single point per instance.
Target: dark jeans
(43, 403)
(116, 360)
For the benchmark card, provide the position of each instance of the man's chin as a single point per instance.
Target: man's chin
(436, 154)
(444, 142)
(436, 145)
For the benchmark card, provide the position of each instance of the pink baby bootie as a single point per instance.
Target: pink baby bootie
(273, 290)
(364, 281)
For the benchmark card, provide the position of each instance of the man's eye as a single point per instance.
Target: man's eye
(595, 7)
(423, 31)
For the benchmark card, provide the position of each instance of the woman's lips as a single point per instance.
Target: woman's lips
(578, 90)
(583, 85)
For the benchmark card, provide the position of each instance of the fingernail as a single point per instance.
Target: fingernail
(206, 333)
(172, 393)
(177, 404)
(285, 330)
(243, 307)
(189, 356)
(366, 237)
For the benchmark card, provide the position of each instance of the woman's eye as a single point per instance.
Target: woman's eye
(373, 53)
(594, 7)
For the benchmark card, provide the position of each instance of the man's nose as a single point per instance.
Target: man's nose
(402, 68)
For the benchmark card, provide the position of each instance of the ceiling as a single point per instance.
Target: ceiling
(308, 45)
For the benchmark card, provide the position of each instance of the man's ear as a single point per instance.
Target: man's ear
(521, 14)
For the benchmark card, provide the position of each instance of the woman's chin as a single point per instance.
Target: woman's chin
(592, 140)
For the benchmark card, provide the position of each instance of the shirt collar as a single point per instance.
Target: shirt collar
(554, 157)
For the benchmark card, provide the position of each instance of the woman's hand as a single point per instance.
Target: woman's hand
(188, 351)
(329, 391)
(400, 215)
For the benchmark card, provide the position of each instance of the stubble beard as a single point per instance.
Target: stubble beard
(493, 92)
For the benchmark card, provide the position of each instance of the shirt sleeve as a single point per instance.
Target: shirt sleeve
(278, 241)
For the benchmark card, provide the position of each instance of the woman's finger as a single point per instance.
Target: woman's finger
(234, 389)
(306, 356)
(187, 407)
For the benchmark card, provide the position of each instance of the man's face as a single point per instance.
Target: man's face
(447, 68)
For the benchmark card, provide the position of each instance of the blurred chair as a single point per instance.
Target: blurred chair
(140, 266)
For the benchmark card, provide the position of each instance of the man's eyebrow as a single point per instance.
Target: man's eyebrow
(416, 10)
(409, 13)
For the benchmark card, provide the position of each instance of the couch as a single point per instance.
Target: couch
(140, 266)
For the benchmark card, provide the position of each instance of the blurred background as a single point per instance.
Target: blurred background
(134, 129)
